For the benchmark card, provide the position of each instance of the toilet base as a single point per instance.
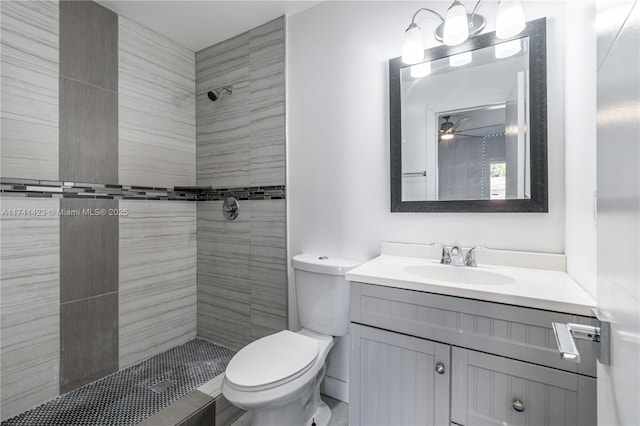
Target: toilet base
(322, 416)
(307, 406)
(293, 403)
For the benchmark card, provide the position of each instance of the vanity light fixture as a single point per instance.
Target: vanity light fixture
(420, 70)
(510, 19)
(460, 59)
(509, 48)
(459, 25)
(456, 25)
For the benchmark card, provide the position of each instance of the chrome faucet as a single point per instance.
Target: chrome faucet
(454, 256)
(470, 258)
(445, 259)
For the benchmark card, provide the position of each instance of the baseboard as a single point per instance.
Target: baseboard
(335, 388)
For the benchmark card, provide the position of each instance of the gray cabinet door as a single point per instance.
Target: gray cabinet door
(487, 389)
(393, 379)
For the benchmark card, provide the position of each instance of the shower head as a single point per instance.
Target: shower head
(215, 94)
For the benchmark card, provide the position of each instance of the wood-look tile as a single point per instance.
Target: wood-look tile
(268, 267)
(267, 103)
(223, 156)
(226, 412)
(88, 340)
(88, 249)
(240, 142)
(89, 43)
(224, 287)
(204, 417)
(222, 64)
(213, 387)
(29, 305)
(193, 409)
(29, 150)
(157, 145)
(158, 293)
(29, 86)
(88, 133)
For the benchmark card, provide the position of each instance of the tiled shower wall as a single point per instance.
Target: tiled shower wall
(94, 98)
(242, 279)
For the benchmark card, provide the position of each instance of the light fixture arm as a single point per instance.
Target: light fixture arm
(428, 10)
(473, 12)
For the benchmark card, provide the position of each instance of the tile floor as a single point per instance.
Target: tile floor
(127, 397)
(339, 413)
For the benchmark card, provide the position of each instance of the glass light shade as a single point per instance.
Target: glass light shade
(460, 59)
(510, 19)
(421, 70)
(456, 25)
(446, 136)
(413, 45)
(510, 48)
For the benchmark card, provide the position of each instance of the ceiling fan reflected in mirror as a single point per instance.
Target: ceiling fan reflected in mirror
(448, 128)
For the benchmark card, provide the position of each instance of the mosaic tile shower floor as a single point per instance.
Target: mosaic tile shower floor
(125, 398)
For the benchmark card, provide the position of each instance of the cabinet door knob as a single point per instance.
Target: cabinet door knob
(518, 405)
(439, 368)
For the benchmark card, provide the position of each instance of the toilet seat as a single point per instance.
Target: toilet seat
(271, 361)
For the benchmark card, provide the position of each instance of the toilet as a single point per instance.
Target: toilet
(278, 377)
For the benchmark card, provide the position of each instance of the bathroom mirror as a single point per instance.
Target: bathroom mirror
(469, 126)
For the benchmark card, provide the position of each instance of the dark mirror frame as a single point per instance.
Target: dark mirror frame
(536, 31)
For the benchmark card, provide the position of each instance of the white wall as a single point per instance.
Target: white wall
(580, 131)
(338, 137)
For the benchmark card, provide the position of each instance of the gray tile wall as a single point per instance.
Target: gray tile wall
(157, 296)
(29, 86)
(88, 93)
(88, 340)
(461, 175)
(29, 304)
(89, 250)
(88, 291)
(266, 104)
(89, 44)
(224, 275)
(88, 133)
(242, 280)
(157, 145)
(240, 137)
(222, 127)
(268, 267)
(108, 291)
(88, 153)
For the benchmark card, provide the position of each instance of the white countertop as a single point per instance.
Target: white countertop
(533, 288)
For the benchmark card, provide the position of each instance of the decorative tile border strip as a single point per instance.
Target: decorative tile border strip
(276, 192)
(57, 189)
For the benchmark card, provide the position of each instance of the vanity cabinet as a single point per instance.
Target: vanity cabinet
(499, 363)
(493, 390)
(398, 379)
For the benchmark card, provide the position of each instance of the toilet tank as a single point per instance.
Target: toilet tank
(322, 293)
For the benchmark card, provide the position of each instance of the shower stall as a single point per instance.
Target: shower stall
(124, 290)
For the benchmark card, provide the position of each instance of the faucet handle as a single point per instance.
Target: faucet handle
(470, 258)
(445, 259)
(457, 258)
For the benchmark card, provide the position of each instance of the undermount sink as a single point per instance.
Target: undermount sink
(459, 275)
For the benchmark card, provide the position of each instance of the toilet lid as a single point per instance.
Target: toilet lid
(271, 359)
